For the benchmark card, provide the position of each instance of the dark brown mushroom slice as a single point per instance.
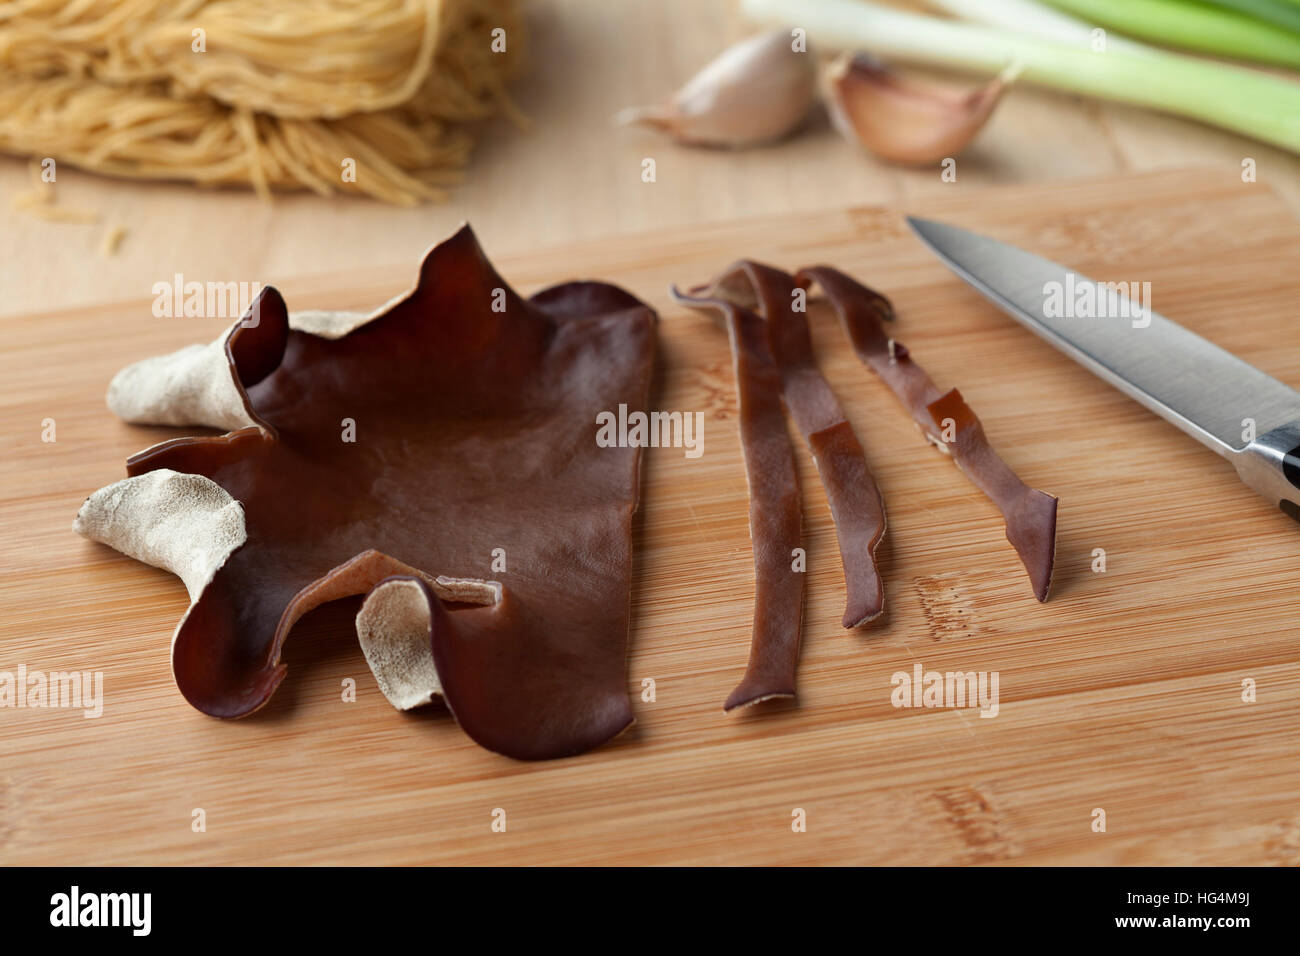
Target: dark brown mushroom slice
(775, 518)
(946, 420)
(475, 416)
(856, 504)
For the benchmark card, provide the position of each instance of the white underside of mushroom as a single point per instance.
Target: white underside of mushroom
(194, 385)
(393, 628)
(186, 524)
(191, 386)
(182, 523)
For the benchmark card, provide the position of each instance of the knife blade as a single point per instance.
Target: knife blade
(1233, 408)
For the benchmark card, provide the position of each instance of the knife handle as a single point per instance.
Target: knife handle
(1271, 466)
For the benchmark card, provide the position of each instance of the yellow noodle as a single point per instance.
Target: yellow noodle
(42, 209)
(33, 197)
(112, 239)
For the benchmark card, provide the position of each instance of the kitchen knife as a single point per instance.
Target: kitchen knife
(1249, 418)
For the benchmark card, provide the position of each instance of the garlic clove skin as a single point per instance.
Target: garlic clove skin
(756, 91)
(902, 120)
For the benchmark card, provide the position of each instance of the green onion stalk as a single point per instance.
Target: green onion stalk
(1213, 27)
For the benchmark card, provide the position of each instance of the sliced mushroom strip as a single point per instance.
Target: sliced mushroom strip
(775, 518)
(946, 420)
(854, 498)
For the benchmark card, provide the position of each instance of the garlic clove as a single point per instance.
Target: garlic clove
(756, 91)
(903, 120)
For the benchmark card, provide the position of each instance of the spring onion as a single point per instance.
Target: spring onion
(1278, 12)
(1031, 16)
(1250, 102)
(1194, 26)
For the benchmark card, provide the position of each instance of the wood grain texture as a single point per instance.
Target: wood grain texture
(1122, 692)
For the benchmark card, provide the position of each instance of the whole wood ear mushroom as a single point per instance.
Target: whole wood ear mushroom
(438, 455)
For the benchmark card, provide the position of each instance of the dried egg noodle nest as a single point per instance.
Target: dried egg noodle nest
(280, 97)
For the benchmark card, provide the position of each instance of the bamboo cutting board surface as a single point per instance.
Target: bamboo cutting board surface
(1123, 692)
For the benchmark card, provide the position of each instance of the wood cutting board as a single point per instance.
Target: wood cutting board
(1123, 692)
